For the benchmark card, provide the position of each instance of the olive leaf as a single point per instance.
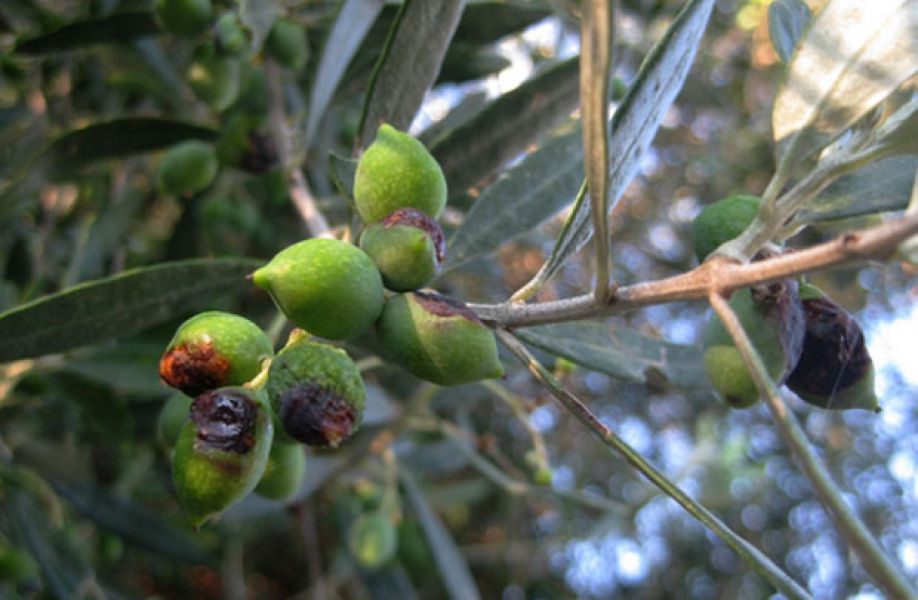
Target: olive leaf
(457, 577)
(882, 186)
(258, 16)
(619, 352)
(636, 121)
(351, 26)
(849, 60)
(118, 138)
(503, 129)
(117, 306)
(136, 524)
(121, 27)
(787, 19)
(405, 73)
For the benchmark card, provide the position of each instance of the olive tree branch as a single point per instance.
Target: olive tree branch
(297, 187)
(749, 553)
(717, 273)
(877, 564)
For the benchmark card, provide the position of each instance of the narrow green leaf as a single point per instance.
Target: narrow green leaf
(596, 30)
(538, 280)
(61, 571)
(486, 22)
(126, 368)
(899, 133)
(526, 196)
(118, 138)
(351, 26)
(882, 186)
(506, 127)
(109, 229)
(637, 119)
(258, 16)
(619, 351)
(850, 59)
(121, 27)
(108, 308)
(411, 65)
(787, 19)
(137, 524)
(457, 577)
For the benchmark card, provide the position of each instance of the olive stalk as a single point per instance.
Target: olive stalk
(878, 565)
(715, 273)
(749, 553)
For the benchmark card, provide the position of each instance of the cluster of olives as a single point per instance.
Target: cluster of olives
(243, 410)
(806, 341)
(221, 75)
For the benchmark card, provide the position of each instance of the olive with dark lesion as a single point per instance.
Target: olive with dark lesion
(317, 393)
(222, 450)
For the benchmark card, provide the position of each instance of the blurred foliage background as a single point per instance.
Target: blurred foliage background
(532, 506)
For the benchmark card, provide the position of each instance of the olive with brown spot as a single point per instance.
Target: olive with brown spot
(214, 349)
(221, 451)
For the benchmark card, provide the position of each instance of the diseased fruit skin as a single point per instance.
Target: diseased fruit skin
(408, 248)
(222, 451)
(187, 168)
(328, 287)
(438, 339)
(172, 417)
(773, 318)
(214, 349)
(214, 78)
(286, 43)
(722, 221)
(184, 17)
(397, 171)
(317, 394)
(284, 473)
(372, 540)
(835, 370)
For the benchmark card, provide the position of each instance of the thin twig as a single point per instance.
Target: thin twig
(717, 273)
(749, 553)
(878, 565)
(297, 186)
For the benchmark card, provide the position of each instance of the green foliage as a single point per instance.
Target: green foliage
(143, 146)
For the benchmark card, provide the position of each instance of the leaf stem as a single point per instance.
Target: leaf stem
(868, 550)
(749, 553)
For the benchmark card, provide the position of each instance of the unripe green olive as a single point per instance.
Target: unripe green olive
(214, 349)
(286, 43)
(229, 36)
(407, 247)
(372, 540)
(222, 451)
(187, 168)
(722, 221)
(16, 565)
(328, 287)
(242, 144)
(316, 392)
(184, 17)
(284, 473)
(172, 417)
(214, 78)
(835, 370)
(438, 339)
(397, 171)
(772, 317)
